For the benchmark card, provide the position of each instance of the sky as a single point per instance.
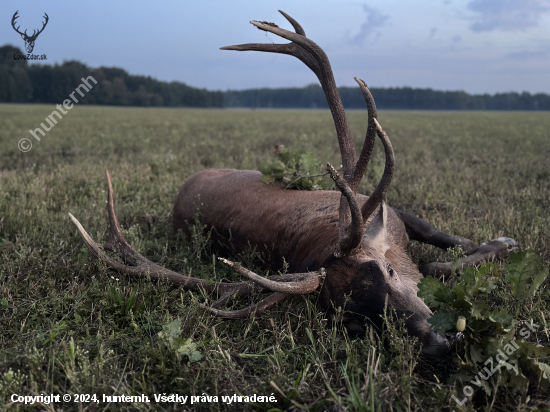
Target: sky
(479, 46)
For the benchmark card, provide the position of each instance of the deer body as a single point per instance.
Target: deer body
(291, 224)
(298, 226)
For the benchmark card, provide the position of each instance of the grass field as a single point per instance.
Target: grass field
(69, 326)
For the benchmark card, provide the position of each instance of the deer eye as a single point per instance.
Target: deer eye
(391, 271)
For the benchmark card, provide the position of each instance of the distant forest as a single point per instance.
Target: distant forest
(312, 96)
(36, 83)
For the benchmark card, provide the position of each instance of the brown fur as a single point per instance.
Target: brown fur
(301, 227)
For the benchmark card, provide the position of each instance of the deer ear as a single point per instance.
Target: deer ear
(377, 230)
(23, 36)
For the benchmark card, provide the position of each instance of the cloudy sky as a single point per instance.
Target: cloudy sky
(480, 46)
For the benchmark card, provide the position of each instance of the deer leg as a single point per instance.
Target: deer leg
(422, 231)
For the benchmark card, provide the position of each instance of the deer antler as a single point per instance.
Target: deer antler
(34, 33)
(43, 26)
(350, 225)
(138, 265)
(380, 192)
(315, 58)
(368, 145)
(15, 17)
(350, 236)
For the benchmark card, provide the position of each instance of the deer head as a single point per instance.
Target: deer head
(29, 40)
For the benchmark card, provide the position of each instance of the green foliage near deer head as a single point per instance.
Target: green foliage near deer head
(494, 349)
(296, 169)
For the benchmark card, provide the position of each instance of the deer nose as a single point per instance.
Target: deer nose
(436, 346)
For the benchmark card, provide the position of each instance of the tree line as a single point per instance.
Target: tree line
(37, 83)
(312, 97)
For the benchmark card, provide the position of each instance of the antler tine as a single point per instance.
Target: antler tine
(117, 242)
(245, 313)
(349, 236)
(297, 28)
(301, 284)
(368, 145)
(289, 48)
(139, 265)
(380, 192)
(44, 24)
(155, 271)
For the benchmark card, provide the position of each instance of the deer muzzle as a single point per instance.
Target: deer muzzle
(433, 344)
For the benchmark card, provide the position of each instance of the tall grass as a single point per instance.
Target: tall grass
(68, 325)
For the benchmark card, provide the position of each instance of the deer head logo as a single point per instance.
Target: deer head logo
(29, 40)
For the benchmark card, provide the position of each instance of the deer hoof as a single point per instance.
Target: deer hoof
(508, 241)
(496, 249)
(508, 244)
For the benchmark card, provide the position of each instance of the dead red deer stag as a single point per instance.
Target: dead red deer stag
(357, 244)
